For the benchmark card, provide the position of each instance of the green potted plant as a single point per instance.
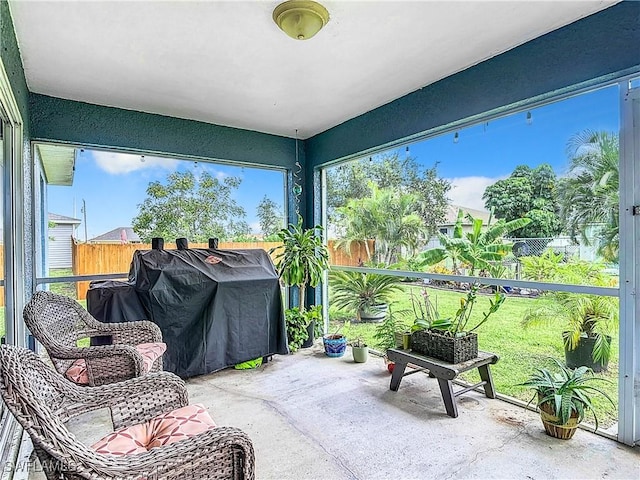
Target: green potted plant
(367, 294)
(300, 261)
(563, 398)
(386, 333)
(589, 320)
(359, 349)
(298, 322)
(452, 339)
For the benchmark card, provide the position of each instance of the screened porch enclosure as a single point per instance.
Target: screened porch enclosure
(589, 54)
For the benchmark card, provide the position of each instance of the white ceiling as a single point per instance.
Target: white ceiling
(227, 62)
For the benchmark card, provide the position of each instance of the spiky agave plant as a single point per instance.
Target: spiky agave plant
(566, 391)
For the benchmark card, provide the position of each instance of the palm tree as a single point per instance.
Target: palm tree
(589, 195)
(478, 248)
(389, 217)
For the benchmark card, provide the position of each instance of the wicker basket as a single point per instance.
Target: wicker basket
(450, 349)
(552, 426)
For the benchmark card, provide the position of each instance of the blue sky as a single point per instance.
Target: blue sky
(488, 152)
(122, 181)
(483, 154)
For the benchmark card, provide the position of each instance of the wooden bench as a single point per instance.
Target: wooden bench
(444, 372)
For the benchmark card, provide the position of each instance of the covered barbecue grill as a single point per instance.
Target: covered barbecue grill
(216, 308)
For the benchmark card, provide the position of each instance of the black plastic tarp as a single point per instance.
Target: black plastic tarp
(216, 308)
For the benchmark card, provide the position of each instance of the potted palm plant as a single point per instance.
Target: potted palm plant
(590, 321)
(300, 261)
(367, 294)
(563, 398)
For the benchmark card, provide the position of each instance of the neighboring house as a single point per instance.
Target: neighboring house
(117, 235)
(446, 227)
(61, 233)
(451, 215)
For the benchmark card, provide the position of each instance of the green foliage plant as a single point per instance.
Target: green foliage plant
(358, 291)
(302, 258)
(480, 248)
(389, 216)
(541, 268)
(385, 332)
(527, 193)
(270, 218)
(297, 321)
(567, 391)
(390, 171)
(583, 315)
(553, 267)
(458, 325)
(197, 208)
(590, 193)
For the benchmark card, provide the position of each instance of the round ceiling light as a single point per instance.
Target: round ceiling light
(300, 19)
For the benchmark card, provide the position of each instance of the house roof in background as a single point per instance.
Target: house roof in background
(55, 218)
(115, 236)
(452, 215)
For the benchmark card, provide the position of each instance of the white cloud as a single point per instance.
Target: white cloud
(121, 163)
(468, 191)
(255, 227)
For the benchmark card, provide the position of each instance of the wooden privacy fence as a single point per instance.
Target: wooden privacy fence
(96, 258)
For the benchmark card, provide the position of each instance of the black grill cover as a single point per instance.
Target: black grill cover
(216, 308)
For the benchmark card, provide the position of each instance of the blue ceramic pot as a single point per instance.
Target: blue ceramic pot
(334, 345)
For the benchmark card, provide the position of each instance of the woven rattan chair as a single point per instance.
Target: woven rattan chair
(58, 322)
(42, 401)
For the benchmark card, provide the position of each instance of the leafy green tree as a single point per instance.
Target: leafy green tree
(270, 217)
(477, 248)
(527, 193)
(590, 192)
(190, 207)
(353, 180)
(388, 216)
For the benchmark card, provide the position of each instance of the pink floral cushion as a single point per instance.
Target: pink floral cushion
(162, 430)
(150, 352)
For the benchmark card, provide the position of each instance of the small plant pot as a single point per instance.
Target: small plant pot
(406, 340)
(334, 345)
(311, 336)
(360, 354)
(389, 364)
(552, 424)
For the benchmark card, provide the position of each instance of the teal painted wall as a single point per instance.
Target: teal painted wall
(68, 121)
(596, 46)
(12, 62)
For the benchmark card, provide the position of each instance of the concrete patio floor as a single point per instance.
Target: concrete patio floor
(315, 417)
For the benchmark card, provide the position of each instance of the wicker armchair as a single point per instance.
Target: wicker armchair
(42, 401)
(58, 322)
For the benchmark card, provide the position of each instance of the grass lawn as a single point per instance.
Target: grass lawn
(67, 289)
(521, 350)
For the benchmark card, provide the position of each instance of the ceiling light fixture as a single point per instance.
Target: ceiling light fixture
(300, 19)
